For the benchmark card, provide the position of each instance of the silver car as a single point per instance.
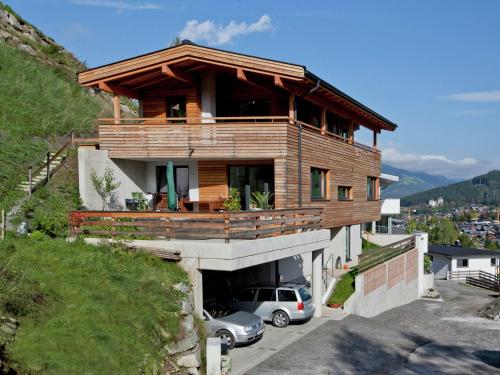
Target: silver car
(277, 304)
(238, 327)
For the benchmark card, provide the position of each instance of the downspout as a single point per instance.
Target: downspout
(299, 142)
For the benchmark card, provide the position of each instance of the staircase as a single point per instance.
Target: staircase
(484, 280)
(41, 175)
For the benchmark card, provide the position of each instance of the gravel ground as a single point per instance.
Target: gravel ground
(423, 337)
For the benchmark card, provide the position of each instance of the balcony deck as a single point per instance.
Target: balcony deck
(195, 225)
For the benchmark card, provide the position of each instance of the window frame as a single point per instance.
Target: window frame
(349, 196)
(324, 185)
(373, 182)
(466, 262)
(493, 262)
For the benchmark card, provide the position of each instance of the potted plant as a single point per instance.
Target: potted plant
(261, 201)
(233, 202)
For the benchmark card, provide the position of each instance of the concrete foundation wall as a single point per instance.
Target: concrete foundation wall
(428, 281)
(131, 174)
(393, 283)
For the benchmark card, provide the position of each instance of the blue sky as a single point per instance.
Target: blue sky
(433, 67)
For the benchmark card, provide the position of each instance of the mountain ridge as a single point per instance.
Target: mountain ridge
(411, 182)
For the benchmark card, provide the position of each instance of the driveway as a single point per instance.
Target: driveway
(423, 337)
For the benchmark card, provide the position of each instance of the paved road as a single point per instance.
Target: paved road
(423, 337)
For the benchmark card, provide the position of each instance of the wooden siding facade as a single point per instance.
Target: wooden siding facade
(218, 145)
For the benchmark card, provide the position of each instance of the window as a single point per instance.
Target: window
(181, 179)
(371, 188)
(345, 193)
(319, 183)
(493, 262)
(286, 295)
(337, 125)
(462, 263)
(348, 243)
(247, 295)
(176, 106)
(304, 294)
(266, 295)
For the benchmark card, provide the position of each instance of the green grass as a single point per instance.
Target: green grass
(367, 245)
(38, 105)
(344, 288)
(85, 309)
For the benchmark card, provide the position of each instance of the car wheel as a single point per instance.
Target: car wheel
(227, 336)
(280, 319)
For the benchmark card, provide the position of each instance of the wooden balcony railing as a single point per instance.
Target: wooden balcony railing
(372, 258)
(194, 225)
(214, 121)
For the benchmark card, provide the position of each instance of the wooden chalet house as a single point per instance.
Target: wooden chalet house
(232, 120)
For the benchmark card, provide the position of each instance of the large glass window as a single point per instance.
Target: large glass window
(176, 106)
(308, 112)
(319, 183)
(337, 125)
(371, 188)
(257, 177)
(348, 243)
(181, 179)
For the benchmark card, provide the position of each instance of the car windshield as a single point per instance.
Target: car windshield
(304, 294)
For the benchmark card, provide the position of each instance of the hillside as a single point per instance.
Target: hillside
(411, 182)
(40, 100)
(484, 189)
(85, 309)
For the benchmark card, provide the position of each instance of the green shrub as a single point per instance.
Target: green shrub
(427, 264)
(233, 202)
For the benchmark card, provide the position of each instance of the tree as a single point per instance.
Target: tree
(177, 41)
(105, 186)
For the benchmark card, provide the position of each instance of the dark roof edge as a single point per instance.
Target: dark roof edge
(350, 99)
(456, 251)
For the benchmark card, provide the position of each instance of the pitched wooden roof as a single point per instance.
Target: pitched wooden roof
(126, 76)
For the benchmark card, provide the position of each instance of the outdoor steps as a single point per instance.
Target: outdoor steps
(41, 177)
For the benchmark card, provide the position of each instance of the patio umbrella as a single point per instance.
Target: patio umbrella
(172, 198)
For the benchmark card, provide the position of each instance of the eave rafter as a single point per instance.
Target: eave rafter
(118, 90)
(171, 72)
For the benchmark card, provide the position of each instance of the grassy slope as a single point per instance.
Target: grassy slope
(344, 288)
(85, 309)
(37, 105)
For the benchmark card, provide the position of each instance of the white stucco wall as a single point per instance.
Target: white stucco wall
(476, 263)
(131, 174)
(390, 206)
(337, 246)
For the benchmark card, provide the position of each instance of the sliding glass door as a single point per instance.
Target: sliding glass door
(257, 177)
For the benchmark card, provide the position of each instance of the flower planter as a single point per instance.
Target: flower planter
(335, 305)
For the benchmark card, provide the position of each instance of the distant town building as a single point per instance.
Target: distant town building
(436, 202)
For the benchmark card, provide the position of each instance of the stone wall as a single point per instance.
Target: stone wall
(8, 328)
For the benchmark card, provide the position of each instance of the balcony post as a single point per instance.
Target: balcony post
(351, 132)
(323, 120)
(375, 139)
(116, 109)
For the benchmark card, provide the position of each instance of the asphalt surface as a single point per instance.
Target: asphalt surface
(423, 337)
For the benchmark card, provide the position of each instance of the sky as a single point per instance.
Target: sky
(431, 66)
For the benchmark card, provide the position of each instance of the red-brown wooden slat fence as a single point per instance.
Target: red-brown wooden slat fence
(195, 225)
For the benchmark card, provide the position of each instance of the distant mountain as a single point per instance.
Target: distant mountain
(484, 189)
(411, 182)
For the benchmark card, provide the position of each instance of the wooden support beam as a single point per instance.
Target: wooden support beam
(175, 74)
(117, 90)
(116, 109)
(351, 132)
(375, 138)
(244, 77)
(323, 120)
(291, 105)
(278, 81)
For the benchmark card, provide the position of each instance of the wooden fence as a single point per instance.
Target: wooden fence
(372, 258)
(194, 225)
(484, 280)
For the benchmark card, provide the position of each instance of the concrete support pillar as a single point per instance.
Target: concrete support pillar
(389, 225)
(374, 227)
(317, 276)
(190, 265)
(421, 243)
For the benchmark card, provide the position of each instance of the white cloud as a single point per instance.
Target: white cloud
(435, 164)
(476, 97)
(217, 34)
(119, 5)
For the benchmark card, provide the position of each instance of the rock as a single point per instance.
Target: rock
(189, 360)
(163, 333)
(193, 371)
(496, 317)
(188, 324)
(189, 342)
(186, 308)
(8, 329)
(182, 287)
